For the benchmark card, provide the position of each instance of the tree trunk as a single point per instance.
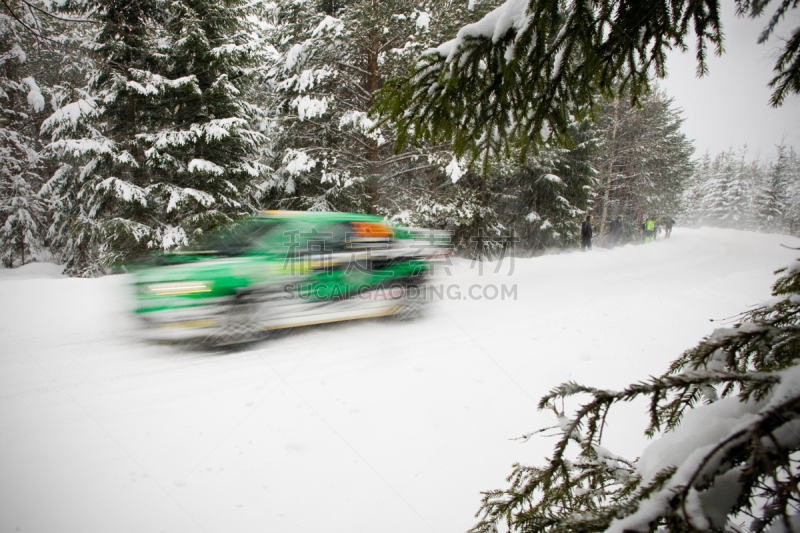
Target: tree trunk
(373, 83)
(610, 167)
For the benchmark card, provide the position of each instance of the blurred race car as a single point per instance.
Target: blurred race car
(284, 269)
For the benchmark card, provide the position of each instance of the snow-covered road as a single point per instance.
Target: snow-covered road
(362, 427)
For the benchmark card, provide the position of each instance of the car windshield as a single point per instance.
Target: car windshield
(233, 239)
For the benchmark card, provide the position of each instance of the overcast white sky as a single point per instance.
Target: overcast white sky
(729, 107)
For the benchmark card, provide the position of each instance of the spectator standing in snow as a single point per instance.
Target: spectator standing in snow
(668, 227)
(649, 230)
(616, 231)
(586, 233)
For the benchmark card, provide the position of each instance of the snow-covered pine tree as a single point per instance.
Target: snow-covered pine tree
(462, 210)
(544, 199)
(778, 203)
(162, 142)
(21, 112)
(644, 158)
(770, 210)
(536, 205)
(730, 192)
(332, 155)
(789, 192)
(736, 198)
(691, 209)
(714, 192)
(22, 211)
(755, 175)
(696, 476)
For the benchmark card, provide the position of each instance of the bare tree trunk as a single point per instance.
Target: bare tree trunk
(484, 201)
(373, 83)
(610, 167)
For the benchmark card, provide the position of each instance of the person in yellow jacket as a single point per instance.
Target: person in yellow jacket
(649, 230)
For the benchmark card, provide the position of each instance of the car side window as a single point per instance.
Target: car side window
(312, 239)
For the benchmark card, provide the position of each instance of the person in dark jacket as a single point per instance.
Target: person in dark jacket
(668, 227)
(616, 231)
(586, 233)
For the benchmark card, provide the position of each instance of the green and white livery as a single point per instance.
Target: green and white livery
(284, 269)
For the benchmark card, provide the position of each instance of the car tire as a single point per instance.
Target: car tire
(243, 318)
(412, 303)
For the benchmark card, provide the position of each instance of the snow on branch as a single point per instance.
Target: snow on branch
(179, 196)
(201, 166)
(511, 14)
(123, 190)
(328, 24)
(213, 130)
(35, 98)
(69, 116)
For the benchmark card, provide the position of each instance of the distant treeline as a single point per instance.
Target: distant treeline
(730, 192)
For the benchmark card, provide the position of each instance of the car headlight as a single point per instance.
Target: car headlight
(179, 287)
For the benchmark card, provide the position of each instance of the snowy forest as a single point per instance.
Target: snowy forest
(134, 129)
(732, 192)
(129, 129)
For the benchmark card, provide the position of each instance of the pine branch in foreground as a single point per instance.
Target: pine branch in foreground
(727, 416)
(521, 72)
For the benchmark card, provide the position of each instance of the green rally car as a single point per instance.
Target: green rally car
(284, 269)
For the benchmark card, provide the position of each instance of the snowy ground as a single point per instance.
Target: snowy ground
(371, 426)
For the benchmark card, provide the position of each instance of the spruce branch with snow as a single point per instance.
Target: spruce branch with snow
(522, 72)
(726, 417)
